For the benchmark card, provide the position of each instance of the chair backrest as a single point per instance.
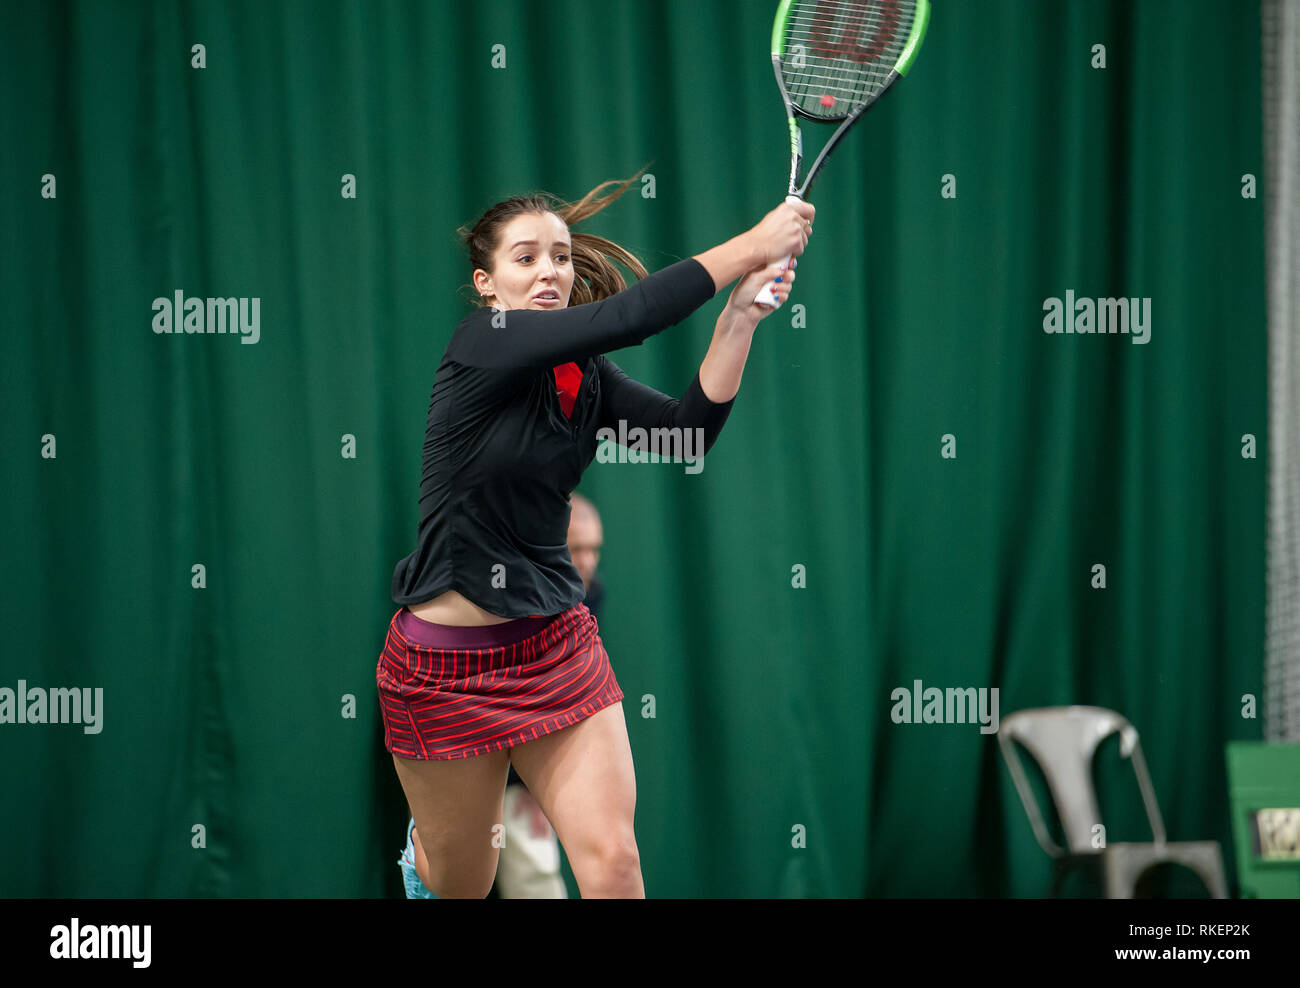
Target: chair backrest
(1063, 740)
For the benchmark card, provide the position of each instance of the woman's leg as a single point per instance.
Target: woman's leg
(456, 803)
(584, 779)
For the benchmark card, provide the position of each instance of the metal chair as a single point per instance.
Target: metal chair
(1063, 741)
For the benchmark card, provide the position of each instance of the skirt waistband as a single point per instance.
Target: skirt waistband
(431, 635)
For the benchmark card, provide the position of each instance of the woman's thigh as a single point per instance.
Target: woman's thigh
(584, 779)
(456, 804)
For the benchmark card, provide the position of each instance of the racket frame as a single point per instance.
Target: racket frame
(905, 59)
(767, 296)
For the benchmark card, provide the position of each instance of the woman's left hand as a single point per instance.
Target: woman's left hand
(742, 296)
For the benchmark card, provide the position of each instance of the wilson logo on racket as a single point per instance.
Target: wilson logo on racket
(833, 59)
(848, 46)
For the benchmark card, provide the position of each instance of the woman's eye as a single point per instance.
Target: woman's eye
(525, 259)
(563, 258)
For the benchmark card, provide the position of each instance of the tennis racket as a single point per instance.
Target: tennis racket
(833, 59)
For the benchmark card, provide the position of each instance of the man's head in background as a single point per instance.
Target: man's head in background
(585, 537)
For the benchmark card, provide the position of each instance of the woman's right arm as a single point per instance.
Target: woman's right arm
(781, 232)
(544, 338)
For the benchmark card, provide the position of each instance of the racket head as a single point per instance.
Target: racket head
(834, 58)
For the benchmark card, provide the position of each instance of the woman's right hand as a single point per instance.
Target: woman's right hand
(783, 232)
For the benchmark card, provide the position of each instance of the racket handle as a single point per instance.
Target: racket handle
(766, 296)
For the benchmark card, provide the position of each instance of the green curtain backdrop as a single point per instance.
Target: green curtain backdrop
(224, 707)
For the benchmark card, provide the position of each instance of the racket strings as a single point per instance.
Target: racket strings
(838, 55)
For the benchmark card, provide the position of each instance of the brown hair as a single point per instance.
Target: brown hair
(595, 276)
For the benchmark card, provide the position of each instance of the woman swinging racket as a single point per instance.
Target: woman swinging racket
(492, 658)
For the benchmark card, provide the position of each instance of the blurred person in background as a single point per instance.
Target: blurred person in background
(529, 866)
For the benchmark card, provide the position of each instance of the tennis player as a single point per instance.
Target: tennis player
(492, 658)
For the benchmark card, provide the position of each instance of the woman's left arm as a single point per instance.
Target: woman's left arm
(709, 398)
(734, 331)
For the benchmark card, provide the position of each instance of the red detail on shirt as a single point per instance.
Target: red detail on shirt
(568, 378)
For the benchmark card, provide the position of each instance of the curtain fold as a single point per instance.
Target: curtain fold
(1281, 113)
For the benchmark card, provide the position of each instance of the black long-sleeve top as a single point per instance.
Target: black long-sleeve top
(501, 458)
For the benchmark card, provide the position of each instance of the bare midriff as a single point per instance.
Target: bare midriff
(453, 609)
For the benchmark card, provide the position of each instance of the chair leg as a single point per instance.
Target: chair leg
(1125, 866)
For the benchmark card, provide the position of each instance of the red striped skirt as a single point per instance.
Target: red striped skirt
(458, 692)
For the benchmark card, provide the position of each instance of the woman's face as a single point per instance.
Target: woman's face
(532, 268)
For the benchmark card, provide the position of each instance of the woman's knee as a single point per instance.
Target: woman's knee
(456, 806)
(456, 872)
(613, 855)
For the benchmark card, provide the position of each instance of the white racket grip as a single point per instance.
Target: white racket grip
(766, 296)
